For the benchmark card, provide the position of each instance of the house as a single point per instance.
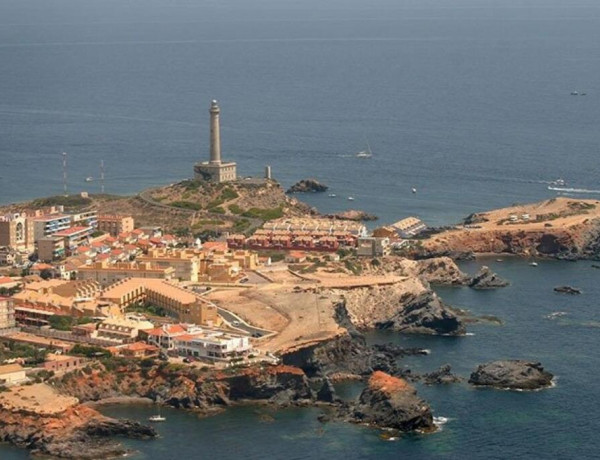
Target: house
(12, 374)
(213, 345)
(138, 350)
(58, 362)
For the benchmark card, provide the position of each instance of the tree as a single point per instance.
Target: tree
(46, 274)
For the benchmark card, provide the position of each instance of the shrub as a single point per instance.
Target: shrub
(186, 205)
(235, 209)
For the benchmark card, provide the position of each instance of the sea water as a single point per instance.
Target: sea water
(467, 101)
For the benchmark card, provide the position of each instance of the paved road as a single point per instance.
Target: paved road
(230, 318)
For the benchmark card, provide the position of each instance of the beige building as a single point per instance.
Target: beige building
(373, 247)
(122, 330)
(107, 273)
(7, 313)
(181, 303)
(12, 374)
(215, 170)
(16, 232)
(185, 262)
(114, 224)
(51, 248)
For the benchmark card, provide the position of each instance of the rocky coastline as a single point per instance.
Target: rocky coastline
(307, 186)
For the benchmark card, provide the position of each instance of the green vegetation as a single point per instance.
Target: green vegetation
(29, 353)
(235, 209)
(186, 205)
(229, 194)
(7, 292)
(217, 210)
(191, 185)
(214, 203)
(275, 256)
(147, 308)
(66, 323)
(354, 267)
(73, 201)
(89, 351)
(96, 234)
(204, 222)
(241, 225)
(264, 214)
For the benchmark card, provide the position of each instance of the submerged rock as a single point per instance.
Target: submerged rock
(307, 185)
(442, 375)
(390, 402)
(487, 279)
(511, 374)
(567, 290)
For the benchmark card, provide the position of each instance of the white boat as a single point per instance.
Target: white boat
(350, 198)
(332, 195)
(89, 179)
(365, 153)
(533, 264)
(560, 182)
(157, 417)
(414, 190)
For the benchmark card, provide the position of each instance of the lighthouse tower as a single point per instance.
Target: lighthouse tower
(215, 170)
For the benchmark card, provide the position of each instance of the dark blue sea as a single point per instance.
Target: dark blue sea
(468, 101)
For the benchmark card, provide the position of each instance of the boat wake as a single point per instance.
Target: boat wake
(439, 422)
(573, 190)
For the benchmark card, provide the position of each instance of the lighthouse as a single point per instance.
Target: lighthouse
(215, 170)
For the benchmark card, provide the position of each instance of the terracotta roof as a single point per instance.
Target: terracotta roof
(43, 267)
(167, 330)
(71, 231)
(6, 280)
(82, 249)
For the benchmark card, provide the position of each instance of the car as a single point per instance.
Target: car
(256, 335)
(187, 360)
(235, 323)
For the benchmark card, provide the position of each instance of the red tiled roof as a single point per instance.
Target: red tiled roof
(42, 267)
(82, 249)
(6, 280)
(170, 330)
(71, 231)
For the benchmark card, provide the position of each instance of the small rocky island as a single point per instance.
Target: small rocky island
(487, 279)
(390, 402)
(511, 374)
(307, 185)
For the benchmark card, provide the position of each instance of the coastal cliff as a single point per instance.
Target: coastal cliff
(563, 228)
(409, 306)
(47, 423)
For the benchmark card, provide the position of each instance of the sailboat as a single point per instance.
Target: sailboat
(365, 153)
(157, 417)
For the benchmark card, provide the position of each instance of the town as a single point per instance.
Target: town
(75, 284)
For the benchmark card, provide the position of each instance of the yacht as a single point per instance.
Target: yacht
(332, 195)
(157, 417)
(414, 190)
(350, 198)
(89, 179)
(533, 264)
(365, 153)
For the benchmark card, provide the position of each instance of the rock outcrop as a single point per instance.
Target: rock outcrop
(567, 290)
(487, 279)
(511, 374)
(409, 307)
(307, 185)
(76, 433)
(390, 402)
(353, 215)
(442, 375)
